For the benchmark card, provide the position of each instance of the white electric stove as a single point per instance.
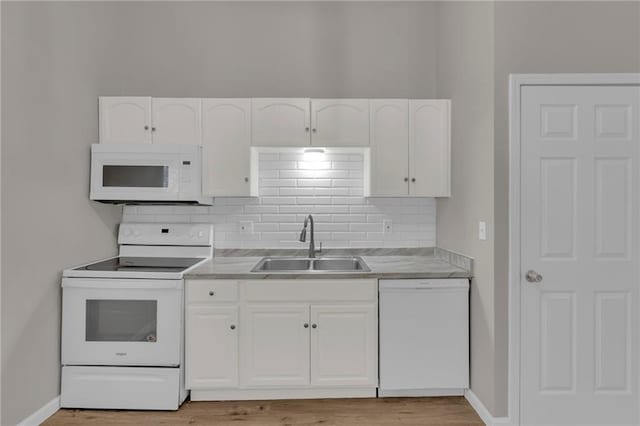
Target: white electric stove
(123, 320)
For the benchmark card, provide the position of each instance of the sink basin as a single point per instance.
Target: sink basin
(322, 264)
(340, 264)
(282, 264)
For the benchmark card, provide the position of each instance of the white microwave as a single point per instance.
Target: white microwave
(147, 173)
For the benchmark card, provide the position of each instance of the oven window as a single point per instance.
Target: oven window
(135, 176)
(121, 320)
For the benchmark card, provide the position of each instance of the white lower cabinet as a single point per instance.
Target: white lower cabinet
(275, 345)
(344, 345)
(292, 339)
(212, 339)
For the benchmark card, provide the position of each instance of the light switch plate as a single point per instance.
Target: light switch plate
(482, 230)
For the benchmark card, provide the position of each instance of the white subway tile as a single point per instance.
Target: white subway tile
(332, 191)
(336, 236)
(278, 200)
(313, 200)
(266, 227)
(297, 191)
(348, 218)
(347, 200)
(268, 192)
(346, 165)
(279, 218)
(260, 208)
(314, 182)
(365, 227)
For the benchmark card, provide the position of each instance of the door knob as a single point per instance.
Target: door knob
(533, 276)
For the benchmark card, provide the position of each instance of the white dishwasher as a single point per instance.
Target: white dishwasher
(424, 337)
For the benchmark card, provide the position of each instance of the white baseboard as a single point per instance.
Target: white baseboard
(46, 411)
(482, 411)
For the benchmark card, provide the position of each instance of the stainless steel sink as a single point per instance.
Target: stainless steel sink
(282, 264)
(307, 265)
(340, 264)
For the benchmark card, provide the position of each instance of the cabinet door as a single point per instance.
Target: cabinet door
(389, 147)
(274, 345)
(340, 122)
(125, 119)
(429, 147)
(211, 347)
(280, 122)
(344, 345)
(226, 140)
(177, 121)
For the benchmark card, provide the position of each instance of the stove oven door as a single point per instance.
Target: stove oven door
(121, 321)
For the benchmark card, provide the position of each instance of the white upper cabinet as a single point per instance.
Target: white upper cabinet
(144, 119)
(226, 140)
(124, 119)
(177, 121)
(389, 147)
(430, 147)
(410, 148)
(280, 122)
(344, 345)
(340, 122)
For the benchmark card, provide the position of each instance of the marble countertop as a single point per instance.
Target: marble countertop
(382, 266)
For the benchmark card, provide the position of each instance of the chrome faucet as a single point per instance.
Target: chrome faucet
(303, 237)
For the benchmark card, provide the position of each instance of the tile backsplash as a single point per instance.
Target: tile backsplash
(292, 186)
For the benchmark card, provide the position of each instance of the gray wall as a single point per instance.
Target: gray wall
(465, 74)
(547, 37)
(58, 57)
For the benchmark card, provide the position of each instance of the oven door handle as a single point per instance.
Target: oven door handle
(126, 284)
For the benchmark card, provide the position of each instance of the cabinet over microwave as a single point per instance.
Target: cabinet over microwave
(147, 173)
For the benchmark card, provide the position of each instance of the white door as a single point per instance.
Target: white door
(124, 119)
(274, 345)
(280, 122)
(579, 316)
(340, 122)
(389, 124)
(177, 121)
(429, 147)
(226, 140)
(211, 347)
(344, 345)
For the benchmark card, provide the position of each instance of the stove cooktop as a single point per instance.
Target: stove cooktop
(142, 264)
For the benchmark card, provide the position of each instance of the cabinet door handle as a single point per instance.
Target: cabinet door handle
(233, 326)
(246, 179)
(306, 129)
(314, 325)
(153, 129)
(306, 325)
(406, 179)
(211, 293)
(314, 130)
(146, 127)
(413, 179)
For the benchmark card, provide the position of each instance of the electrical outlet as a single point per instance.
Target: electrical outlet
(387, 226)
(482, 231)
(246, 227)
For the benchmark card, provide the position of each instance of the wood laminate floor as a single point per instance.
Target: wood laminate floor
(445, 411)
